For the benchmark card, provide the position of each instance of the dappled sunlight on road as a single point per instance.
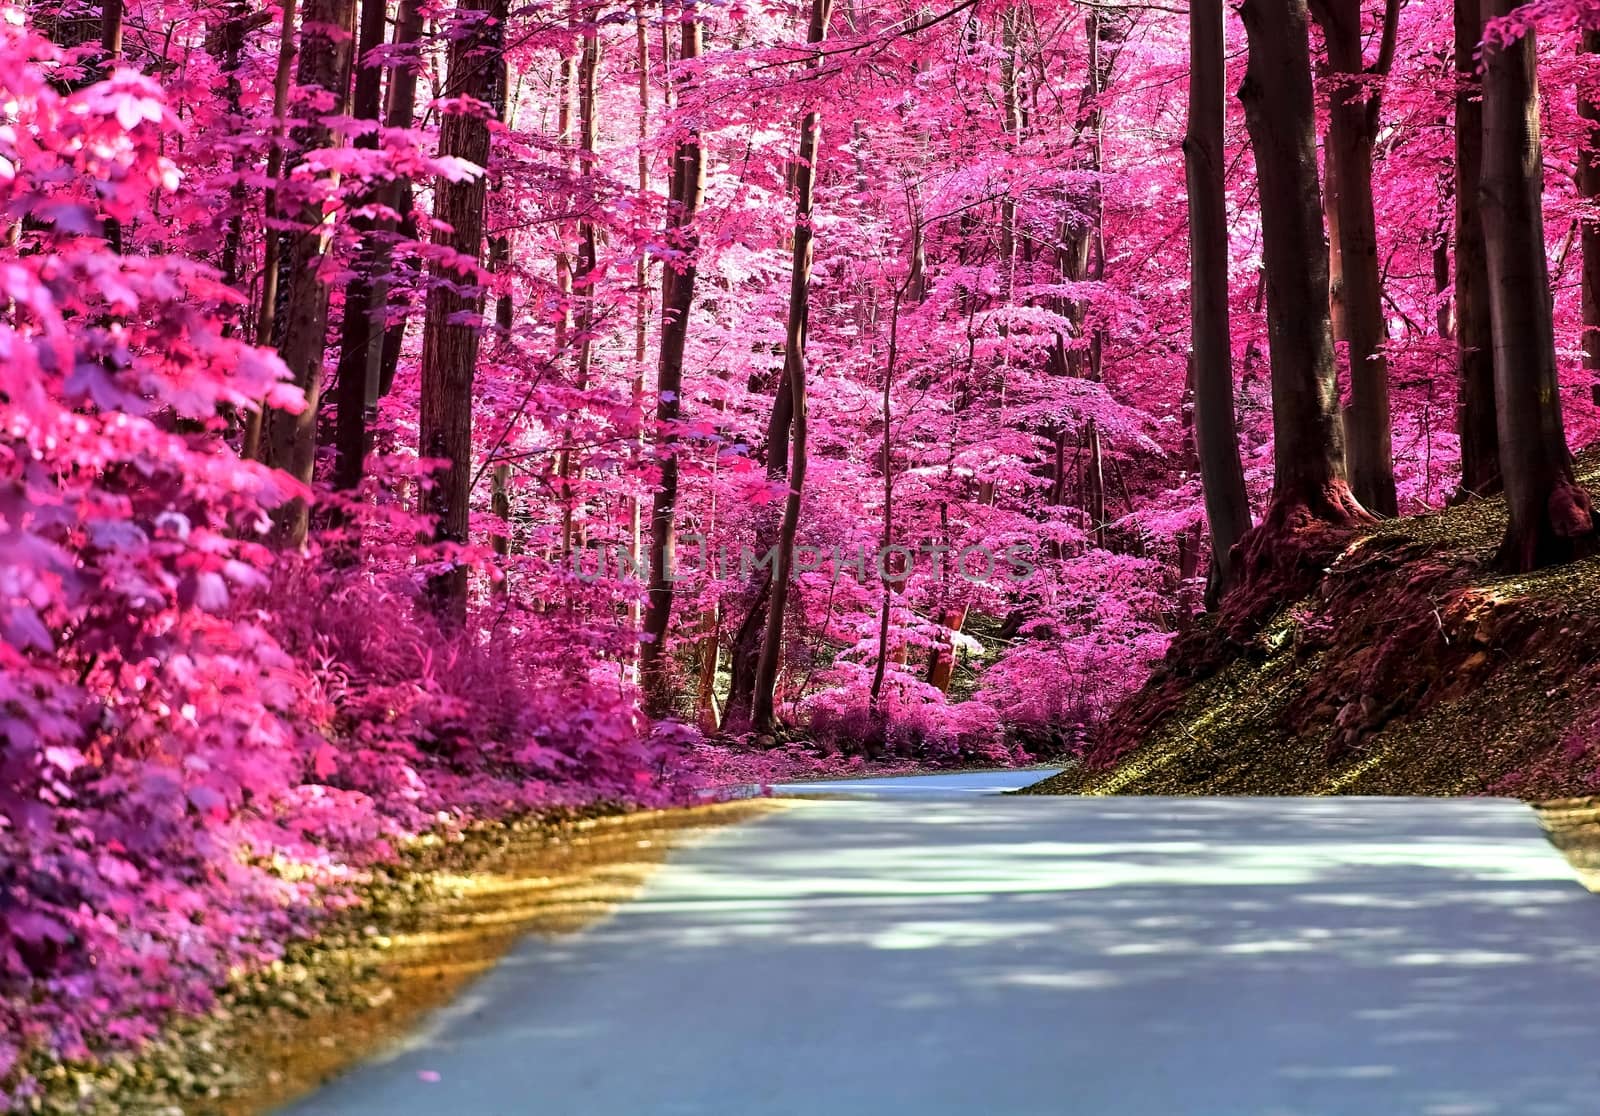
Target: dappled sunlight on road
(1032, 955)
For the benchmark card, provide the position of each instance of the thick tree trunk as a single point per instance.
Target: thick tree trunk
(300, 319)
(361, 332)
(450, 338)
(1352, 130)
(1475, 407)
(677, 297)
(1589, 188)
(1308, 445)
(1216, 435)
(794, 367)
(1550, 518)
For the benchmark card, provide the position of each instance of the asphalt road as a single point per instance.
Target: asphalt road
(931, 949)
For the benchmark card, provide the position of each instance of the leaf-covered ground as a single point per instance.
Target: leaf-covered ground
(419, 933)
(1408, 667)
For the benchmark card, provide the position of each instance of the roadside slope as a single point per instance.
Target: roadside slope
(1391, 661)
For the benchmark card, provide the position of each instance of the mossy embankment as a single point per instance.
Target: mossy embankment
(1392, 660)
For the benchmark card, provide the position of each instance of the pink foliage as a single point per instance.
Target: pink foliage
(206, 737)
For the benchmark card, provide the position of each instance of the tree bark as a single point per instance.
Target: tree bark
(1352, 130)
(642, 295)
(794, 366)
(300, 319)
(361, 332)
(880, 669)
(1476, 423)
(584, 276)
(400, 113)
(677, 297)
(566, 87)
(450, 338)
(1589, 189)
(1308, 444)
(266, 306)
(1216, 434)
(1550, 517)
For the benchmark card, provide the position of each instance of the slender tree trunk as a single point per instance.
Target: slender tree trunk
(229, 47)
(677, 297)
(500, 491)
(1550, 517)
(794, 366)
(272, 236)
(401, 113)
(361, 332)
(642, 296)
(1309, 478)
(942, 659)
(708, 718)
(1216, 436)
(1443, 316)
(566, 87)
(1352, 131)
(450, 338)
(1589, 189)
(1475, 407)
(584, 277)
(111, 20)
(1080, 257)
(300, 320)
(880, 670)
(744, 655)
(1330, 214)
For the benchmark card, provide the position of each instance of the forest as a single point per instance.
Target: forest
(417, 413)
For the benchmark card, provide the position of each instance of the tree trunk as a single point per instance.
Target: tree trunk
(361, 332)
(500, 482)
(794, 367)
(300, 319)
(400, 113)
(566, 87)
(1216, 435)
(272, 237)
(641, 323)
(588, 137)
(1352, 130)
(1475, 407)
(1309, 479)
(1550, 518)
(880, 670)
(450, 336)
(707, 717)
(942, 659)
(743, 656)
(677, 297)
(1589, 189)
